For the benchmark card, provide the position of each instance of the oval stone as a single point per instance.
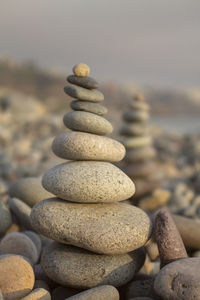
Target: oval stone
(5, 219)
(22, 212)
(87, 146)
(83, 94)
(85, 82)
(139, 105)
(78, 268)
(94, 108)
(135, 142)
(98, 293)
(134, 129)
(102, 228)
(140, 153)
(38, 294)
(179, 280)
(136, 116)
(87, 122)
(88, 182)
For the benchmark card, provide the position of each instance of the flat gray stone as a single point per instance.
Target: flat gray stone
(87, 146)
(94, 108)
(88, 182)
(87, 122)
(83, 94)
(179, 280)
(135, 142)
(35, 239)
(81, 269)
(5, 219)
(101, 228)
(85, 82)
(140, 154)
(98, 293)
(23, 190)
(22, 212)
(136, 116)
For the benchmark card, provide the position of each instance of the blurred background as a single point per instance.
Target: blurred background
(150, 46)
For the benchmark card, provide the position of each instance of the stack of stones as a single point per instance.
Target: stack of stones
(139, 164)
(97, 239)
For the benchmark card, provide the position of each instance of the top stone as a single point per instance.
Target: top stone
(81, 70)
(138, 97)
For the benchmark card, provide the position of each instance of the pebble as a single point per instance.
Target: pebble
(23, 190)
(144, 187)
(88, 182)
(135, 142)
(135, 129)
(140, 154)
(1, 295)
(141, 288)
(102, 228)
(170, 244)
(85, 82)
(41, 276)
(22, 212)
(81, 70)
(98, 293)
(83, 94)
(20, 244)
(160, 197)
(62, 293)
(38, 294)
(179, 280)
(36, 240)
(136, 116)
(189, 230)
(16, 277)
(5, 219)
(89, 107)
(87, 146)
(41, 284)
(152, 250)
(81, 269)
(140, 169)
(87, 122)
(139, 105)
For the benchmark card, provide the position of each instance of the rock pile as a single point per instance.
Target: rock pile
(139, 164)
(97, 239)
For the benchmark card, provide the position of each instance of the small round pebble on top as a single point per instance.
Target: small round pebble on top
(81, 70)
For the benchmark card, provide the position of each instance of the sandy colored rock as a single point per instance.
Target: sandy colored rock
(83, 94)
(189, 230)
(19, 244)
(179, 280)
(5, 218)
(134, 129)
(98, 293)
(78, 268)
(87, 146)
(160, 197)
(23, 190)
(14, 228)
(88, 182)
(136, 142)
(16, 277)
(87, 122)
(38, 294)
(140, 105)
(87, 106)
(102, 228)
(81, 70)
(140, 154)
(22, 212)
(85, 82)
(136, 116)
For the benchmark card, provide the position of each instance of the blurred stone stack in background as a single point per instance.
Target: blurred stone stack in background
(139, 162)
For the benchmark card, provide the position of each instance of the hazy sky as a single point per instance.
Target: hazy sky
(154, 42)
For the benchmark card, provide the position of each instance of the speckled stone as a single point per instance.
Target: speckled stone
(85, 82)
(81, 70)
(140, 154)
(20, 244)
(23, 190)
(102, 228)
(88, 182)
(87, 146)
(36, 240)
(134, 129)
(87, 122)
(136, 142)
(179, 280)
(38, 294)
(78, 268)
(136, 116)
(94, 108)
(22, 212)
(5, 219)
(83, 94)
(16, 277)
(98, 293)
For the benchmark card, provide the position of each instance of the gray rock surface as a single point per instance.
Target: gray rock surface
(85, 82)
(89, 107)
(83, 94)
(5, 219)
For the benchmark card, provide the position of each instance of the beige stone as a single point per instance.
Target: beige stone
(160, 197)
(81, 70)
(136, 142)
(38, 294)
(98, 293)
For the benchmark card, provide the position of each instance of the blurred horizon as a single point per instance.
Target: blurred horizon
(150, 43)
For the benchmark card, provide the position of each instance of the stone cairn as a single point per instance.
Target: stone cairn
(138, 163)
(97, 239)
